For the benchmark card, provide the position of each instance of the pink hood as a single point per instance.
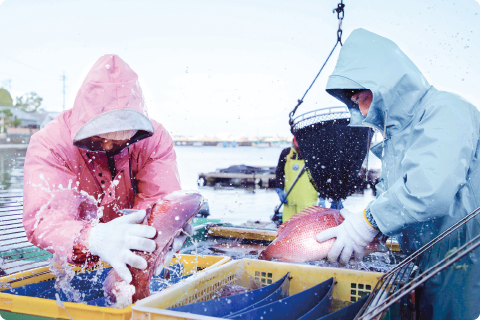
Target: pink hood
(65, 181)
(110, 99)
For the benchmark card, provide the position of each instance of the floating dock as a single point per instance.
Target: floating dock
(239, 176)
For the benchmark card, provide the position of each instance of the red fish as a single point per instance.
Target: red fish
(168, 216)
(296, 241)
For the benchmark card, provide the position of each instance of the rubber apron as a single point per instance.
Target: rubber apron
(303, 194)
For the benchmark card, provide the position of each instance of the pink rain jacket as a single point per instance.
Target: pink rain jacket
(66, 181)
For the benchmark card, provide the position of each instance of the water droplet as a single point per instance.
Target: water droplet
(107, 66)
(177, 218)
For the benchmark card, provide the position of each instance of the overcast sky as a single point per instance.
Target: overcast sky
(238, 67)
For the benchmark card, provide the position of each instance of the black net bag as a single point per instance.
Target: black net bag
(333, 151)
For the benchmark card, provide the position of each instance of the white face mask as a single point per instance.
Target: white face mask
(118, 135)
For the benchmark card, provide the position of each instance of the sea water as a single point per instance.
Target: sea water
(234, 205)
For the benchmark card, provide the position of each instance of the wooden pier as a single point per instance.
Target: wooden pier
(263, 178)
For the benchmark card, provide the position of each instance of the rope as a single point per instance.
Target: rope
(340, 15)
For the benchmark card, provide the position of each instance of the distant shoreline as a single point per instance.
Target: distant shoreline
(13, 146)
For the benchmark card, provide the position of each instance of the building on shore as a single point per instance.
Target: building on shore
(231, 141)
(21, 124)
(50, 115)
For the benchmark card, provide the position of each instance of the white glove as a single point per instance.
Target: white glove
(112, 241)
(177, 244)
(353, 235)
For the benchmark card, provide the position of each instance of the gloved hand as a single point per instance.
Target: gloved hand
(114, 240)
(177, 244)
(353, 235)
(281, 195)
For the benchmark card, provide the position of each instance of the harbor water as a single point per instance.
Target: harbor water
(234, 205)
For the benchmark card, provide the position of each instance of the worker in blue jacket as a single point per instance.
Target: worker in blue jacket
(430, 168)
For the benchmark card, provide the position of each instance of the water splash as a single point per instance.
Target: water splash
(61, 305)
(64, 274)
(4, 285)
(195, 245)
(123, 293)
(76, 198)
(161, 284)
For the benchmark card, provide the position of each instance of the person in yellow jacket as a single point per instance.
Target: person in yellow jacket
(303, 194)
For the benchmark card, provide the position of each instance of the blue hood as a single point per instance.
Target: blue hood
(369, 61)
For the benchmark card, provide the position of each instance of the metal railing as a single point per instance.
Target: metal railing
(406, 277)
(320, 115)
(17, 254)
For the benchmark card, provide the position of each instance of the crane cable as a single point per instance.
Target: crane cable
(340, 14)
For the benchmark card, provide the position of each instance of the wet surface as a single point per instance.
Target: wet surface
(11, 170)
(238, 249)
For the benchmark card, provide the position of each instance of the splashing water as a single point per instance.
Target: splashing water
(161, 283)
(61, 305)
(123, 294)
(79, 197)
(64, 274)
(96, 278)
(5, 285)
(195, 245)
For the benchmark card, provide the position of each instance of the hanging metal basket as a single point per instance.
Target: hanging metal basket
(333, 151)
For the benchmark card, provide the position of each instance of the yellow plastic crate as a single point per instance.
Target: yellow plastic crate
(350, 286)
(78, 311)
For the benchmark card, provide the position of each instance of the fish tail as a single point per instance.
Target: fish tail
(109, 285)
(263, 255)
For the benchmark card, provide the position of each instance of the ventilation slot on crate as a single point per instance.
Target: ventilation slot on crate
(359, 291)
(265, 278)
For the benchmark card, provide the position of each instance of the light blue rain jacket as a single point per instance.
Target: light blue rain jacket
(430, 165)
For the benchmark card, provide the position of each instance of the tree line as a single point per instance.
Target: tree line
(30, 102)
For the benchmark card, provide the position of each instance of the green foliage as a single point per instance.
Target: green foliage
(29, 102)
(7, 112)
(5, 98)
(9, 119)
(16, 122)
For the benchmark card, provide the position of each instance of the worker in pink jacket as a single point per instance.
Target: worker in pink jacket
(103, 155)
